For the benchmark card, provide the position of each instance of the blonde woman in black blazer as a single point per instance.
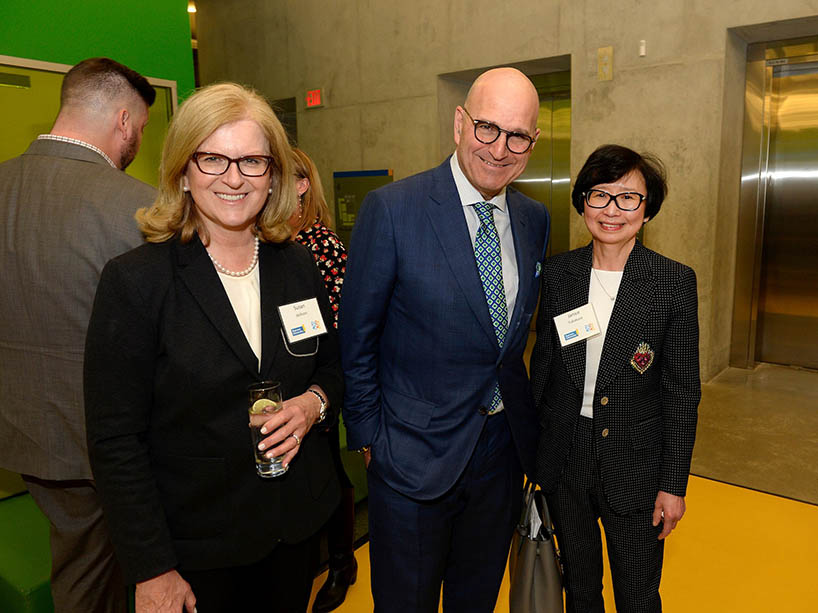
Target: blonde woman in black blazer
(180, 328)
(618, 410)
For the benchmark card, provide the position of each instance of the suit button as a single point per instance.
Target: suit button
(605, 433)
(483, 411)
(603, 401)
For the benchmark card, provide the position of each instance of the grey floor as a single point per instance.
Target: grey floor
(759, 429)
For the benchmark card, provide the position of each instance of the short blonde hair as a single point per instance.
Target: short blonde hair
(313, 203)
(173, 213)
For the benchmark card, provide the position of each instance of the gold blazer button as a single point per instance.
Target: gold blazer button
(603, 401)
(605, 433)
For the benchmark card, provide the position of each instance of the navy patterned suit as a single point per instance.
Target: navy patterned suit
(421, 361)
(645, 404)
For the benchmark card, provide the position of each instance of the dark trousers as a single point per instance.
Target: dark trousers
(634, 551)
(85, 575)
(279, 583)
(460, 539)
(341, 525)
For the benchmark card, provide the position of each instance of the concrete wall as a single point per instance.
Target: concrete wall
(378, 62)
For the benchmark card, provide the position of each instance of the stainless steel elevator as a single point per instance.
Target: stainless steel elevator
(776, 312)
(547, 176)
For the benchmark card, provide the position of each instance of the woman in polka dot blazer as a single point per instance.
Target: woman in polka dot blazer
(618, 408)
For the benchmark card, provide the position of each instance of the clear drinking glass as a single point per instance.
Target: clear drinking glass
(265, 400)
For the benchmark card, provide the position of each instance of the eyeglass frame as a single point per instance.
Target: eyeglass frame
(613, 197)
(195, 157)
(500, 130)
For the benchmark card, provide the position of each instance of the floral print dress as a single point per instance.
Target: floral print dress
(330, 257)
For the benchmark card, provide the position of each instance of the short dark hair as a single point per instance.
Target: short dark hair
(102, 73)
(611, 162)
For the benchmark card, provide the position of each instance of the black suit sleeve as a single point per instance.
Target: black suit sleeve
(119, 376)
(681, 386)
(542, 353)
(328, 375)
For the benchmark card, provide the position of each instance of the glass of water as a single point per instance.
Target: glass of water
(265, 400)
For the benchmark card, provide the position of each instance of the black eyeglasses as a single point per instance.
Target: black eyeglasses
(626, 201)
(217, 164)
(487, 132)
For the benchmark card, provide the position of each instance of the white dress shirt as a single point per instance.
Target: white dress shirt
(469, 196)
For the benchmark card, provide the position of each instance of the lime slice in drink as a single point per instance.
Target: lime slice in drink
(261, 404)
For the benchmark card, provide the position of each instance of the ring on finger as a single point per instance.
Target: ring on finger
(297, 440)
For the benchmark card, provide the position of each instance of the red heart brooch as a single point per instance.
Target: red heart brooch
(643, 358)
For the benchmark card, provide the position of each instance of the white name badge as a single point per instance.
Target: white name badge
(302, 320)
(577, 325)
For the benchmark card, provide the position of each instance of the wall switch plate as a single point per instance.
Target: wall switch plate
(604, 63)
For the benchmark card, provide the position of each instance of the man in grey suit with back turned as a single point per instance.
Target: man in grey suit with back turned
(66, 208)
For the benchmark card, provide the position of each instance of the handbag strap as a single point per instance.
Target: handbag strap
(545, 514)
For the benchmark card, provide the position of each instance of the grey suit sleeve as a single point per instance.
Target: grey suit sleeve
(681, 386)
(118, 375)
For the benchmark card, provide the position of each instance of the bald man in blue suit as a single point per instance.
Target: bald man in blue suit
(437, 395)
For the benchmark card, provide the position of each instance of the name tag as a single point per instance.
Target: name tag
(302, 320)
(576, 325)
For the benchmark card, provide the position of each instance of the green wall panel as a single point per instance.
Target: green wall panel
(150, 36)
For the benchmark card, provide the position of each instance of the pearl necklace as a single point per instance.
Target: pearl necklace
(242, 273)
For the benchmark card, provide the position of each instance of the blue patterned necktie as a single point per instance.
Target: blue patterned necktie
(490, 267)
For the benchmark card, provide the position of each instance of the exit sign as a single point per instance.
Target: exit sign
(314, 98)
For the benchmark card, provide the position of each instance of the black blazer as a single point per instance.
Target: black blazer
(166, 373)
(644, 423)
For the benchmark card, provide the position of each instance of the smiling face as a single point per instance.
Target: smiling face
(506, 98)
(612, 226)
(231, 201)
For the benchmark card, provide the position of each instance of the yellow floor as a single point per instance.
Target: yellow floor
(736, 550)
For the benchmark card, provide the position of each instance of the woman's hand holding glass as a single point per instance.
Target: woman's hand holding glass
(289, 426)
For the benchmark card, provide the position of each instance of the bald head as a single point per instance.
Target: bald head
(506, 99)
(507, 88)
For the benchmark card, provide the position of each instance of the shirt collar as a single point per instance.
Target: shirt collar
(468, 193)
(75, 141)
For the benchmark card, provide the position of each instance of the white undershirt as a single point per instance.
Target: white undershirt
(603, 307)
(245, 298)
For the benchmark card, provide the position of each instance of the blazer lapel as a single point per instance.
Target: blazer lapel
(631, 309)
(572, 294)
(449, 225)
(526, 253)
(273, 283)
(198, 274)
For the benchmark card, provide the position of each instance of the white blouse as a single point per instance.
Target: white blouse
(602, 295)
(245, 297)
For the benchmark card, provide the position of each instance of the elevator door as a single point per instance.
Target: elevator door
(787, 331)
(547, 176)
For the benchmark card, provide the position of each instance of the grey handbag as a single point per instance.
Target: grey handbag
(534, 566)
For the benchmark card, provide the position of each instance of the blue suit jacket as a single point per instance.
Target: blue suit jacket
(419, 351)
